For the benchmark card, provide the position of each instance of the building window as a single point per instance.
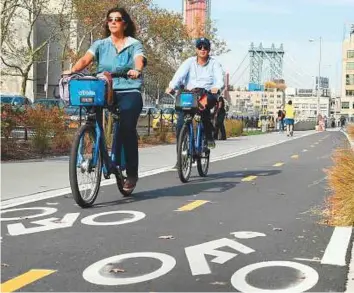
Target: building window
(350, 54)
(349, 93)
(345, 105)
(350, 65)
(349, 79)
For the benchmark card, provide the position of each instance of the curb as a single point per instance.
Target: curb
(350, 276)
(349, 139)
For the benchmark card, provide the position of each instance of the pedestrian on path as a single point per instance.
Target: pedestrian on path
(281, 117)
(289, 118)
(220, 118)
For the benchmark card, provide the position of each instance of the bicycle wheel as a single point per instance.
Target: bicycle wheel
(184, 158)
(203, 160)
(81, 164)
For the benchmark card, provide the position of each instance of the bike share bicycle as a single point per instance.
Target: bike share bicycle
(192, 143)
(91, 92)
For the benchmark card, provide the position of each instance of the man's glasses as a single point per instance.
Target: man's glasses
(116, 19)
(200, 47)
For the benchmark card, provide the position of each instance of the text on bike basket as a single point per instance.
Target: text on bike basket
(186, 101)
(87, 92)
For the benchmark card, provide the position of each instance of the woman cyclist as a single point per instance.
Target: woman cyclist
(118, 51)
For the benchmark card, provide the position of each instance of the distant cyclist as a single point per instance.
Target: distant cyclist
(289, 118)
(201, 71)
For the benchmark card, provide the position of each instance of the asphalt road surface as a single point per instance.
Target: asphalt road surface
(252, 224)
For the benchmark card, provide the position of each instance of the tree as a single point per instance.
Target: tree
(19, 49)
(165, 37)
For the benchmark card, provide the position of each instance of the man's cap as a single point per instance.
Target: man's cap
(202, 41)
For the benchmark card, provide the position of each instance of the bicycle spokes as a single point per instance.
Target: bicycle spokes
(87, 172)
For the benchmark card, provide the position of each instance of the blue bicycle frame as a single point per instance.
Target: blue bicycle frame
(109, 162)
(196, 144)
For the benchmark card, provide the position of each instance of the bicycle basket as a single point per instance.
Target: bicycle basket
(87, 92)
(186, 101)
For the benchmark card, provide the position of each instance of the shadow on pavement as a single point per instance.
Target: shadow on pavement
(194, 187)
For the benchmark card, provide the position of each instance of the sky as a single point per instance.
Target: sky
(289, 22)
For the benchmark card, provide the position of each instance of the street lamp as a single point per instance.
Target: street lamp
(319, 77)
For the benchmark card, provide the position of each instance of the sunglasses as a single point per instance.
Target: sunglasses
(116, 19)
(200, 47)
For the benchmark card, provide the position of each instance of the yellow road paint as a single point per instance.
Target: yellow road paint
(295, 156)
(249, 178)
(24, 279)
(193, 205)
(278, 164)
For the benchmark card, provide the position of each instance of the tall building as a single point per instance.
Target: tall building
(348, 77)
(196, 14)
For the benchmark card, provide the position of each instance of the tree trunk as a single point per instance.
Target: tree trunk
(24, 79)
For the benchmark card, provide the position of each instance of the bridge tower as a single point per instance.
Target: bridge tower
(258, 57)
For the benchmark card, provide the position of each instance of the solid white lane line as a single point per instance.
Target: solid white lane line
(337, 247)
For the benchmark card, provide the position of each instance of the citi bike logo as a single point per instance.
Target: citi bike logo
(86, 93)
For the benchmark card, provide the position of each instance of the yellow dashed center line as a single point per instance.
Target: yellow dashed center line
(24, 279)
(249, 178)
(191, 206)
(295, 156)
(278, 164)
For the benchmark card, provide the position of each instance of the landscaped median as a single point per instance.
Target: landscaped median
(46, 133)
(340, 204)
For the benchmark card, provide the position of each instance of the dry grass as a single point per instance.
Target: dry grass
(233, 128)
(340, 205)
(350, 129)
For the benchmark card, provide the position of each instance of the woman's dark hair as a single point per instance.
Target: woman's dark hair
(130, 30)
(290, 102)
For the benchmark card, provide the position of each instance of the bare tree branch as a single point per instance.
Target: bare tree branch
(33, 21)
(11, 66)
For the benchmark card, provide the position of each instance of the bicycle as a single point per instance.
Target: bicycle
(100, 161)
(192, 145)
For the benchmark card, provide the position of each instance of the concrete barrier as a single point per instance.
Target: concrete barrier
(303, 125)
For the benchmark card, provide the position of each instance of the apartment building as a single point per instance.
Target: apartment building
(347, 98)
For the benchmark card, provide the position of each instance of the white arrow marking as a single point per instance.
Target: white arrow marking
(247, 234)
(45, 225)
(196, 254)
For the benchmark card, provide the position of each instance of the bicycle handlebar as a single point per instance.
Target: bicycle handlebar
(120, 73)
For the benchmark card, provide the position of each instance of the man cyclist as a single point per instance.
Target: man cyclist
(201, 71)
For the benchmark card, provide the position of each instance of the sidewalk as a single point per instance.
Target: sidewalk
(20, 179)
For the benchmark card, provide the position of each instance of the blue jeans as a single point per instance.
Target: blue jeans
(206, 119)
(130, 105)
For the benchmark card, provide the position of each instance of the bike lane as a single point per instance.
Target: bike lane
(248, 224)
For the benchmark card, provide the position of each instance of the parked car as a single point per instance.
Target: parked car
(169, 117)
(16, 101)
(50, 103)
(145, 111)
